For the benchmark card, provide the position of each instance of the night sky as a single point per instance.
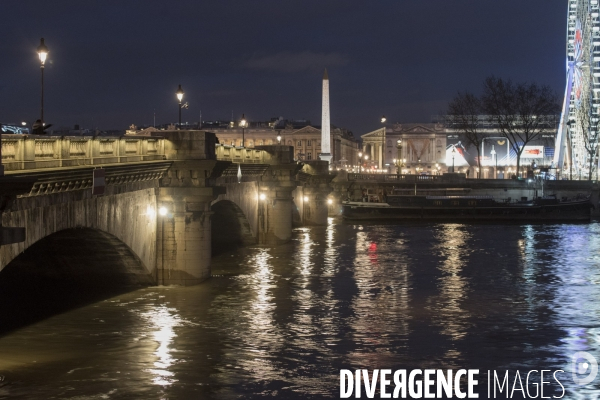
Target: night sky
(113, 63)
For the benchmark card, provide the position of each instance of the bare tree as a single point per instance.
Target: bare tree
(462, 115)
(589, 126)
(522, 111)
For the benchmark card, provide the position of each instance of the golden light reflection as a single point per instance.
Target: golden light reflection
(163, 320)
(447, 308)
(260, 333)
(306, 252)
(331, 251)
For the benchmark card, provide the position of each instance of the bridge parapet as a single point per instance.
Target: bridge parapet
(26, 152)
(402, 178)
(272, 155)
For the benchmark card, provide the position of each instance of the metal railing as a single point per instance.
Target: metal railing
(25, 152)
(393, 177)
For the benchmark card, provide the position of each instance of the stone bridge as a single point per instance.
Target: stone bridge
(169, 200)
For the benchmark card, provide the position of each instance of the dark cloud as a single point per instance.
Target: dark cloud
(115, 62)
(297, 62)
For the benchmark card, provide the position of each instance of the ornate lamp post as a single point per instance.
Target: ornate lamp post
(493, 154)
(243, 124)
(42, 53)
(453, 153)
(179, 94)
(399, 149)
(360, 161)
(382, 161)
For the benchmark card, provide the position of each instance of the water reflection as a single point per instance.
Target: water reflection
(576, 301)
(453, 247)
(163, 321)
(280, 322)
(381, 307)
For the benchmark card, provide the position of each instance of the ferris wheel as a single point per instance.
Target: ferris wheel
(582, 96)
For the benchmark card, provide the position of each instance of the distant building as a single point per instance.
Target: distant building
(427, 146)
(423, 147)
(300, 134)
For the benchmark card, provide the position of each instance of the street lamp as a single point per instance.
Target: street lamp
(383, 119)
(179, 94)
(360, 161)
(243, 124)
(278, 137)
(42, 53)
(453, 153)
(493, 154)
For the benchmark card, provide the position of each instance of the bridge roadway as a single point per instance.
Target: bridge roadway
(47, 190)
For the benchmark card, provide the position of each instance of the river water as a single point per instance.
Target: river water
(281, 322)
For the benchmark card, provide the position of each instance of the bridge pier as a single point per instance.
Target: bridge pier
(185, 196)
(316, 209)
(183, 237)
(274, 214)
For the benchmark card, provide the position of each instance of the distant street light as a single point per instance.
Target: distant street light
(179, 94)
(383, 119)
(493, 153)
(399, 150)
(453, 153)
(42, 53)
(278, 137)
(360, 162)
(243, 124)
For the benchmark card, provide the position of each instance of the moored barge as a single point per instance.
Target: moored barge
(469, 208)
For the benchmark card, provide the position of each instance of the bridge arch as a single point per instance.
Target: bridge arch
(129, 216)
(64, 270)
(230, 228)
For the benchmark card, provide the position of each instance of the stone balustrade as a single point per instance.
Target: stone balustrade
(273, 155)
(26, 152)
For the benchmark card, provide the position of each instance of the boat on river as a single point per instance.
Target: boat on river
(470, 208)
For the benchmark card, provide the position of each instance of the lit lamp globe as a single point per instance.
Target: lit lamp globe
(383, 119)
(179, 93)
(42, 51)
(243, 124)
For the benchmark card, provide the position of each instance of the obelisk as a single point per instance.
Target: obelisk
(325, 122)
